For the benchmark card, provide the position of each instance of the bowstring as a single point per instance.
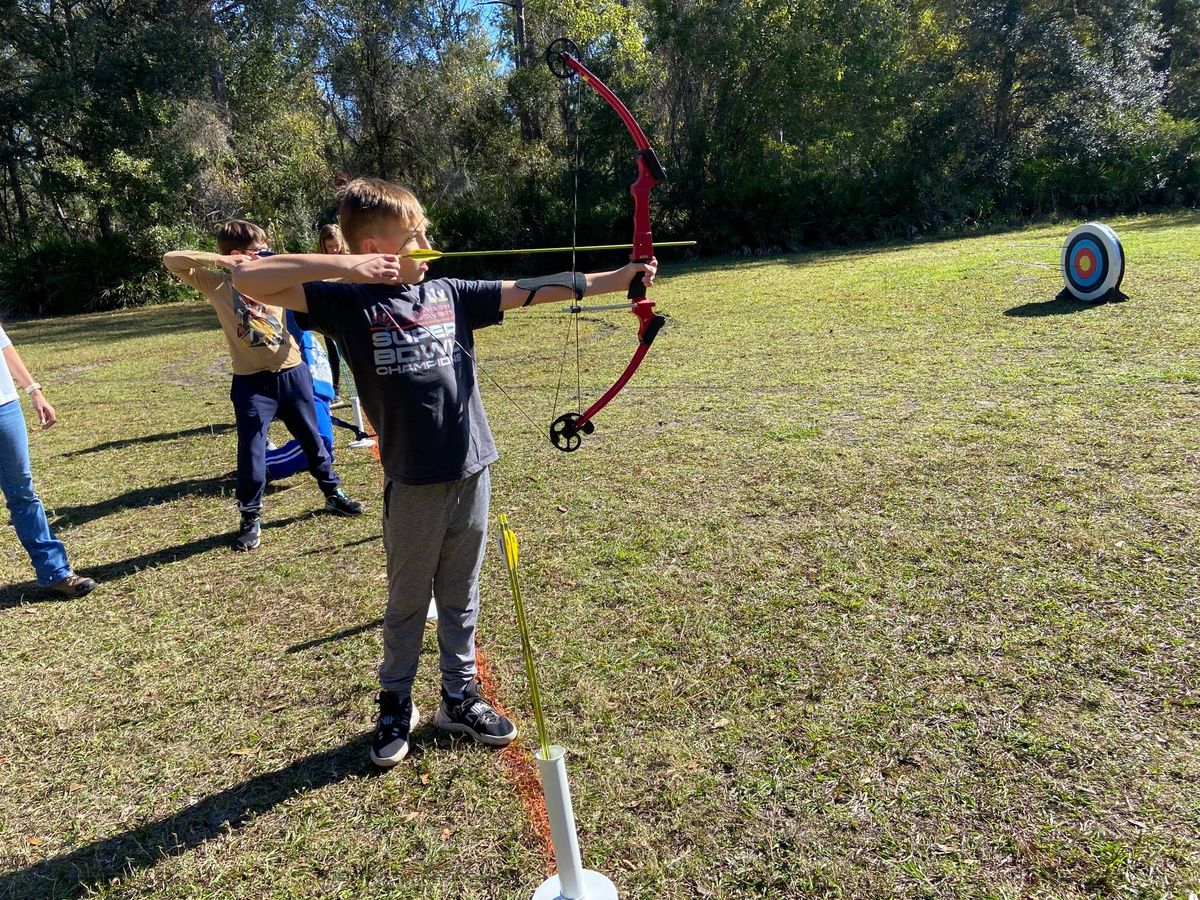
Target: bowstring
(571, 94)
(537, 429)
(573, 131)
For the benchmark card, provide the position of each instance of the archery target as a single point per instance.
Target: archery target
(1093, 262)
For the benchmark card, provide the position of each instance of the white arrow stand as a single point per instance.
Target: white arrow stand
(356, 409)
(573, 881)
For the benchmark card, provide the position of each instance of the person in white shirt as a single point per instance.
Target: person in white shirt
(46, 552)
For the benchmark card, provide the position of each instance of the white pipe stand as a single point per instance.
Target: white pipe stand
(573, 881)
(356, 408)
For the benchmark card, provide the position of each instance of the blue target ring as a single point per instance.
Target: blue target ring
(1093, 263)
(1086, 263)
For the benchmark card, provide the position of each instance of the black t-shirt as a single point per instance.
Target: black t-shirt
(404, 344)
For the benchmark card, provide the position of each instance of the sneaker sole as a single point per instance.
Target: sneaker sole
(242, 548)
(386, 762)
(70, 595)
(345, 513)
(444, 722)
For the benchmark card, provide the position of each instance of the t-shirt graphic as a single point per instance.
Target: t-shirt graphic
(256, 326)
(411, 349)
(425, 340)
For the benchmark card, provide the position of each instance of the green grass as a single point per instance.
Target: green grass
(881, 579)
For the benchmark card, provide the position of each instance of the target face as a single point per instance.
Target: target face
(1093, 262)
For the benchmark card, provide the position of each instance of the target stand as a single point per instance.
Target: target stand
(1093, 264)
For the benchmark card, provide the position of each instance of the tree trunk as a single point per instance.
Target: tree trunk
(531, 128)
(1006, 79)
(216, 70)
(1168, 11)
(14, 179)
(104, 221)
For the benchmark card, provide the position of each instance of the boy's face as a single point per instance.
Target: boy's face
(252, 250)
(397, 238)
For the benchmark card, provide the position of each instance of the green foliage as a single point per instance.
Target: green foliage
(781, 122)
(1145, 164)
(58, 276)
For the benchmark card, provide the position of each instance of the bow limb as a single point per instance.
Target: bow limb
(564, 63)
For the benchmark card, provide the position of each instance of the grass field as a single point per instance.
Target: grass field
(881, 579)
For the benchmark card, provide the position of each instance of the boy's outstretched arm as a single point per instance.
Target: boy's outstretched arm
(195, 268)
(512, 296)
(278, 280)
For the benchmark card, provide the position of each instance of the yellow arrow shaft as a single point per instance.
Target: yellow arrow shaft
(508, 541)
(438, 254)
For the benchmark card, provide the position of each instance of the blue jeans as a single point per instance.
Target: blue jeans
(46, 552)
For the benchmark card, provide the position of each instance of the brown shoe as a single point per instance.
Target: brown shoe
(73, 586)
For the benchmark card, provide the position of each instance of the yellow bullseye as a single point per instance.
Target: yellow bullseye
(1085, 265)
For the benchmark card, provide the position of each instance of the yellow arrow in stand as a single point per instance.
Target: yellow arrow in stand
(508, 543)
(438, 254)
(511, 554)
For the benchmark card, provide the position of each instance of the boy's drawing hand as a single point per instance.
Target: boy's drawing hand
(375, 268)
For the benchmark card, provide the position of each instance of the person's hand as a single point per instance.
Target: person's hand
(45, 412)
(374, 268)
(647, 268)
(231, 262)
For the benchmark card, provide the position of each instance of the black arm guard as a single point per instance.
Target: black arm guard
(576, 281)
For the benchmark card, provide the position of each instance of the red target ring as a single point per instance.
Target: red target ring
(1085, 263)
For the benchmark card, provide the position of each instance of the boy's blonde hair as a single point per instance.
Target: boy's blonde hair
(331, 232)
(367, 203)
(238, 234)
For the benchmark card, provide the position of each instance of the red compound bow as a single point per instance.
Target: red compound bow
(562, 56)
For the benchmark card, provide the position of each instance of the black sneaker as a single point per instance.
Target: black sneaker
(397, 718)
(474, 716)
(250, 534)
(339, 504)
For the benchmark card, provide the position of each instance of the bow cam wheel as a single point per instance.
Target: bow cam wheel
(555, 53)
(567, 434)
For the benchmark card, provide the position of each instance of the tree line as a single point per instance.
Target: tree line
(128, 127)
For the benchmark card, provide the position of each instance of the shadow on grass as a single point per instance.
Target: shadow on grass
(113, 571)
(29, 592)
(213, 486)
(336, 636)
(1055, 307)
(321, 551)
(1179, 218)
(203, 430)
(79, 872)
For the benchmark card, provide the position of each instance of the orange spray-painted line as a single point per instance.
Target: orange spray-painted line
(521, 768)
(516, 760)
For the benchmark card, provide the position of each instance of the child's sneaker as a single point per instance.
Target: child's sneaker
(339, 504)
(397, 718)
(474, 716)
(250, 534)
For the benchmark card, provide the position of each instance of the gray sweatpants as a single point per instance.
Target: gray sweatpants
(435, 536)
